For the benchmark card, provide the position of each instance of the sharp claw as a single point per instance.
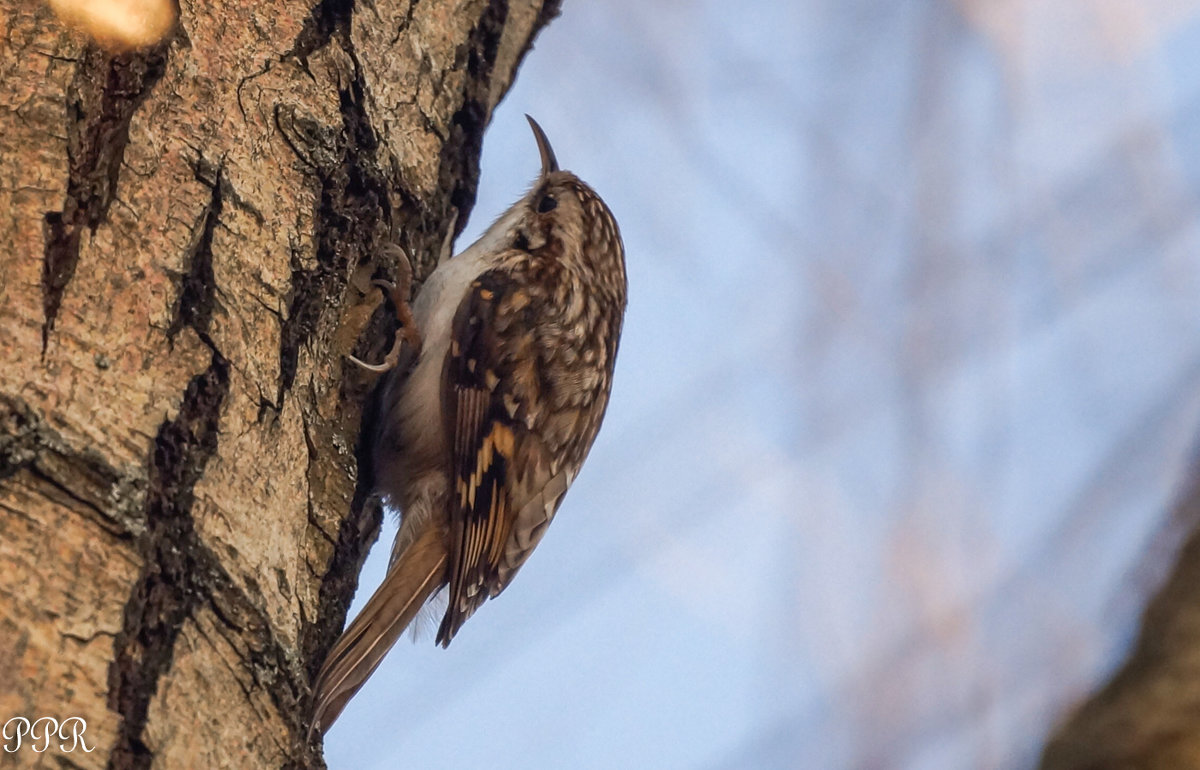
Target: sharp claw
(380, 368)
(392, 292)
(389, 361)
(407, 332)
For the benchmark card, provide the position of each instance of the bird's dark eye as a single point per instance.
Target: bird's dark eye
(547, 203)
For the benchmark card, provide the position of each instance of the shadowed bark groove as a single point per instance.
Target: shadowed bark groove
(26, 442)
(180, 574)
(458, 172)
(175, 574)
(353, 213)
(328, 17)
(107, 90)
(197, 293)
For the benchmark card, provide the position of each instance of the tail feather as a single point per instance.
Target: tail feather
(414, 576)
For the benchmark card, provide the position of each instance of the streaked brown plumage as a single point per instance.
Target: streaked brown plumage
(478, 443)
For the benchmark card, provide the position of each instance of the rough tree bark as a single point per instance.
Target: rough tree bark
(188, 234)
(1148, 716)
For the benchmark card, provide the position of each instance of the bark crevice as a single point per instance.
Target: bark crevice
(180, 575)
(198, 287)
(328, 17)
(353, 216)
(177, 572)
(83, 475)
(458, 167)
(101, 100)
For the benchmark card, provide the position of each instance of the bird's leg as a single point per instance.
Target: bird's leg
(398, 293)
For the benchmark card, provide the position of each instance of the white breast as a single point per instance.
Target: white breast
(434, 311)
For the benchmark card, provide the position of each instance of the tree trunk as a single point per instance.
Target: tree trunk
(189, 232)
(1148, 716)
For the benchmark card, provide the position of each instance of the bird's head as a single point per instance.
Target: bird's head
(564, 218)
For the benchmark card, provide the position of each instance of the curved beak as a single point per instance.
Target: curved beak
(549, 162)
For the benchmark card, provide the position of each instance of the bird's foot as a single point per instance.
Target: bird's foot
(407, 332)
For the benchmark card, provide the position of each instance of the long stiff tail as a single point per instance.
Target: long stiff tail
(416, 573)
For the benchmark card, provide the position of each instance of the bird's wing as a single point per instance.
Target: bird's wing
(503, 471)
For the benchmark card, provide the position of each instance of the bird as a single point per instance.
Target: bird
(477, 442)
